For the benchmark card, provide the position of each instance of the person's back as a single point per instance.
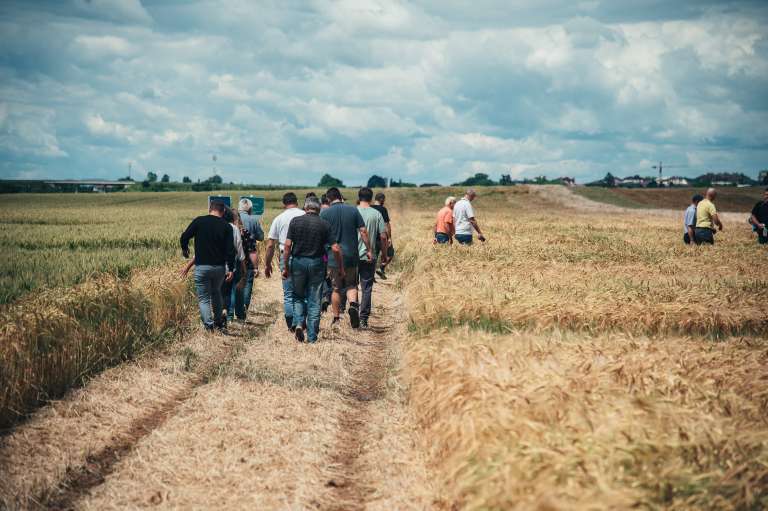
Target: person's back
(278, 230)
(213, 240)
(251, 224)
(705, 211)
(444, 220)
(374, 223)
(345, 221)
(309, 236)
(462, 212)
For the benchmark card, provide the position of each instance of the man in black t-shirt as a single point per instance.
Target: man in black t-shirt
(308, 237)
(214, 261)
(759, 219)
(379, 206)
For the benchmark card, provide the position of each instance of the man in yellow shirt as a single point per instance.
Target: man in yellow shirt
(707, 219)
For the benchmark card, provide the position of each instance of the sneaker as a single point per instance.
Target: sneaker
(289, 323)
(354, 316)
(364, 324)
(324, 306)
(380, 273)
(299, 334)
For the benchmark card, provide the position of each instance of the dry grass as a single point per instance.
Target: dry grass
(569, 363)
(54, 340)
(568, 421)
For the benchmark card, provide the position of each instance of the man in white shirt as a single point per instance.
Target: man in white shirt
(464, 219)
(278, 232)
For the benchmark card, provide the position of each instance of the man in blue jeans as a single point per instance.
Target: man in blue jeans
(278, 231)
(214, 261)
(464, 219)
(303, 264)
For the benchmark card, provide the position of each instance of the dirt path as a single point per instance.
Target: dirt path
(259, 422)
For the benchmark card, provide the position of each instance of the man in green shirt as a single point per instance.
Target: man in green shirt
(377, 229)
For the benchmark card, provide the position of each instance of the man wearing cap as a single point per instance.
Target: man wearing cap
(278, 232)
(214, 261)
(303, 265)
(251, 224)
(707, 219)
(346, 222)
(689, 220)
(464, 219)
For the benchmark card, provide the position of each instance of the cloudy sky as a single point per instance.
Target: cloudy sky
(426, 91)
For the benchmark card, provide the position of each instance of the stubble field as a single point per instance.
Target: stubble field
(581, 358)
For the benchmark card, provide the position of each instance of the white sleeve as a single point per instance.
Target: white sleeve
(274, 230)
(470, 211)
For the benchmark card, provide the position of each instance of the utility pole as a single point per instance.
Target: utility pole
(130, 165)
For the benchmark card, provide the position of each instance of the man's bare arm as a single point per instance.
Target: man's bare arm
(384, 246)
(366, 242)
(268, 258)
(286, 257)
(717, 222)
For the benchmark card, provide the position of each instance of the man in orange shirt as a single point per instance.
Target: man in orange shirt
(444, 228)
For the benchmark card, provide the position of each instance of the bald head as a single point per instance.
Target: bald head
(711, 193)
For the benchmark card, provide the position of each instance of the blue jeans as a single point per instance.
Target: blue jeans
(233, 297)
(287, 293)
(208, 280)
(247, 290)
(441, 237)
(307, 277)
(464, 239)
(367, 275)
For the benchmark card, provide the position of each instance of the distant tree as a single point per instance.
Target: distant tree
(328, 181)
(145, 183)
(165, 179)
(186, 179)
(215, 179)
(428, 185)
(377, 182)
(401, 184)
(151, 177)
(478, 179)
(506, 180)
(126, 178)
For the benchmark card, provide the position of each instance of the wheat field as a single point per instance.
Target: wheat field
(582, 358)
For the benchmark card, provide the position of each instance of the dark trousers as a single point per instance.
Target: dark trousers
(367, 273)
(704, 236)
(687, 239)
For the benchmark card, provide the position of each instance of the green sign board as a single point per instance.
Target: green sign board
(258, 204)
(226, 199)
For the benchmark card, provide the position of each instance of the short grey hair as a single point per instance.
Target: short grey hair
(312, 203)
(245, 205)
(470, 192)
(449, 200)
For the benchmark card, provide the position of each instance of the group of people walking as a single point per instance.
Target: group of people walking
(325, 251)
(456, 220)
(701, 220)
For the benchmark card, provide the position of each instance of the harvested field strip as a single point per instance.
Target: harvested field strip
(148, 393)
(54, 340)
(272, 431)
(606, 422)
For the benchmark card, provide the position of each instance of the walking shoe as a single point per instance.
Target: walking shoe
(324, 306)
(380, 272)
(289, 323)
(299, 334)
(354, 315)
(364, 324)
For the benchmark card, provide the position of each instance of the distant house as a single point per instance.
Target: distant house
(567, 181)
(674, 181)
(631, 181)
(724, 183)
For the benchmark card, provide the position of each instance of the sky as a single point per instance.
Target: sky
(423, 91)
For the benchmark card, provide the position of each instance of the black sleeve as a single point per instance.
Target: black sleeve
(188, 234)
(385, 214)
(291, 231)
(756, 210)
(229, 247)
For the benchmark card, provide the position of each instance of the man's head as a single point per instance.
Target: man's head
(216, 207)
(312, 205)
(310, 194)
(711, 193)
(324, 202)
(380, 198)
(470, 195)
(696, 198)
(228, 216)
(289, 199)
(765, 195)
(365, 194)
(333, 194)
(450, 201)
(245, 205)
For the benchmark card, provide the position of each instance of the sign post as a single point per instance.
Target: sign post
(226, 199)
